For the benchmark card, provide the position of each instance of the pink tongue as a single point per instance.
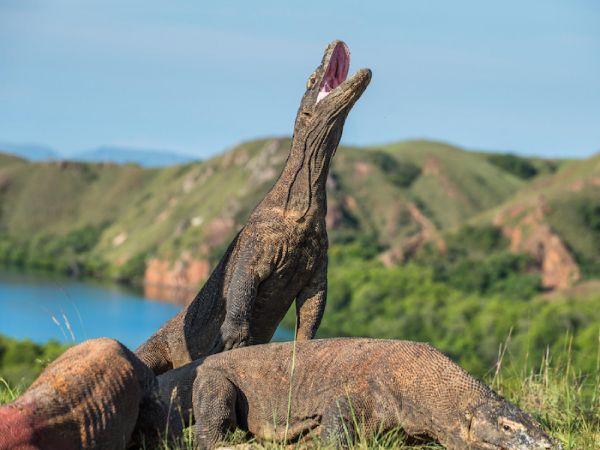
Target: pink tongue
(337, 70)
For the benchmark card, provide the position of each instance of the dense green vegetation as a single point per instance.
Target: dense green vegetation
(514, 164)
(522, 167)
(67, 254)
(408, 302)
(401, 174)
(477, 261)
(21, 361)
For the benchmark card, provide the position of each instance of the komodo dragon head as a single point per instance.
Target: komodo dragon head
(500, 425)
(329, 97)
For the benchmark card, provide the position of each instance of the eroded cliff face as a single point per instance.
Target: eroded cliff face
(177, 282)
(528, 232)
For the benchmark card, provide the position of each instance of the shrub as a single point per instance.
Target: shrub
(401, 174)
(516, 165)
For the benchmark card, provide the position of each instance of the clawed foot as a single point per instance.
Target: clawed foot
(231, 337)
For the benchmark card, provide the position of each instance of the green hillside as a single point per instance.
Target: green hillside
(566, 204)
(393, 185)
(110, 220)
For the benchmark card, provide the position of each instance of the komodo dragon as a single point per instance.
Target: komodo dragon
(280, 255)
(97, 395)
(339, 383)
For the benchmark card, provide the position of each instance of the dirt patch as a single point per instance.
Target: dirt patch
(428, 232)
(335, 216)
(433, 168)
(361, 169)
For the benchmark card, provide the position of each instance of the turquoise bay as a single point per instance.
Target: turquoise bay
(43, 307)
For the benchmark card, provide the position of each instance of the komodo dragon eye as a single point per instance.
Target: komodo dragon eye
(509, 425)
(311, 81)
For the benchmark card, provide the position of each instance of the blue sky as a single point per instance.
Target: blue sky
(198, 77)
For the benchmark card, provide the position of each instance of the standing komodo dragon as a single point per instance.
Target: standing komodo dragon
(281, 253)
(339, 383)
(97, 395)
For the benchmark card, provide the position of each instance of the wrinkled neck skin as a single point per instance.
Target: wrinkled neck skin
(300, 190)
(303, 179)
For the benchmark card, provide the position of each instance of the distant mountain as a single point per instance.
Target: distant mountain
(32, 152)
(106, 153)
(124, 155)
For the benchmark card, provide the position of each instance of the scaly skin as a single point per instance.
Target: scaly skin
(338, 384)
(97, 395)
(281, 253)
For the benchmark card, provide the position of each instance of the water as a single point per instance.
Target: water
(42, 307)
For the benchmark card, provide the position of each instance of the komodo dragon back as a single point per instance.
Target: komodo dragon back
(97, 395)
(280, 255)
(335, 383)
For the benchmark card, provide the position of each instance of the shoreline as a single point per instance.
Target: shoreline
(163, 293)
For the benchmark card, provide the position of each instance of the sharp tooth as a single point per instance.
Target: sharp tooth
(321, 95)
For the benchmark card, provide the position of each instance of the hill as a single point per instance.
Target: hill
(557, 218)
(170, 225)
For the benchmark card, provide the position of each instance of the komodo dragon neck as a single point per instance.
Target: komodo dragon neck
(300, 189)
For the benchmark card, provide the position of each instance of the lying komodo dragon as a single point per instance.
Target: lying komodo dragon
(97, 395)
(337, 384)
(281, 253)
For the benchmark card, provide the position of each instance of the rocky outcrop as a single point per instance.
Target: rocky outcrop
(176, 282)
(528, 232)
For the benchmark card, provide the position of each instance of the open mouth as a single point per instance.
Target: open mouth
(336, 72)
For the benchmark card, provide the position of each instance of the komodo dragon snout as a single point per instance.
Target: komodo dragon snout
(501, 425)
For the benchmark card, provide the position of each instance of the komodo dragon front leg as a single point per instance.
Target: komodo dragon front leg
(252, 267)
(310, 304)
(215, 408)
